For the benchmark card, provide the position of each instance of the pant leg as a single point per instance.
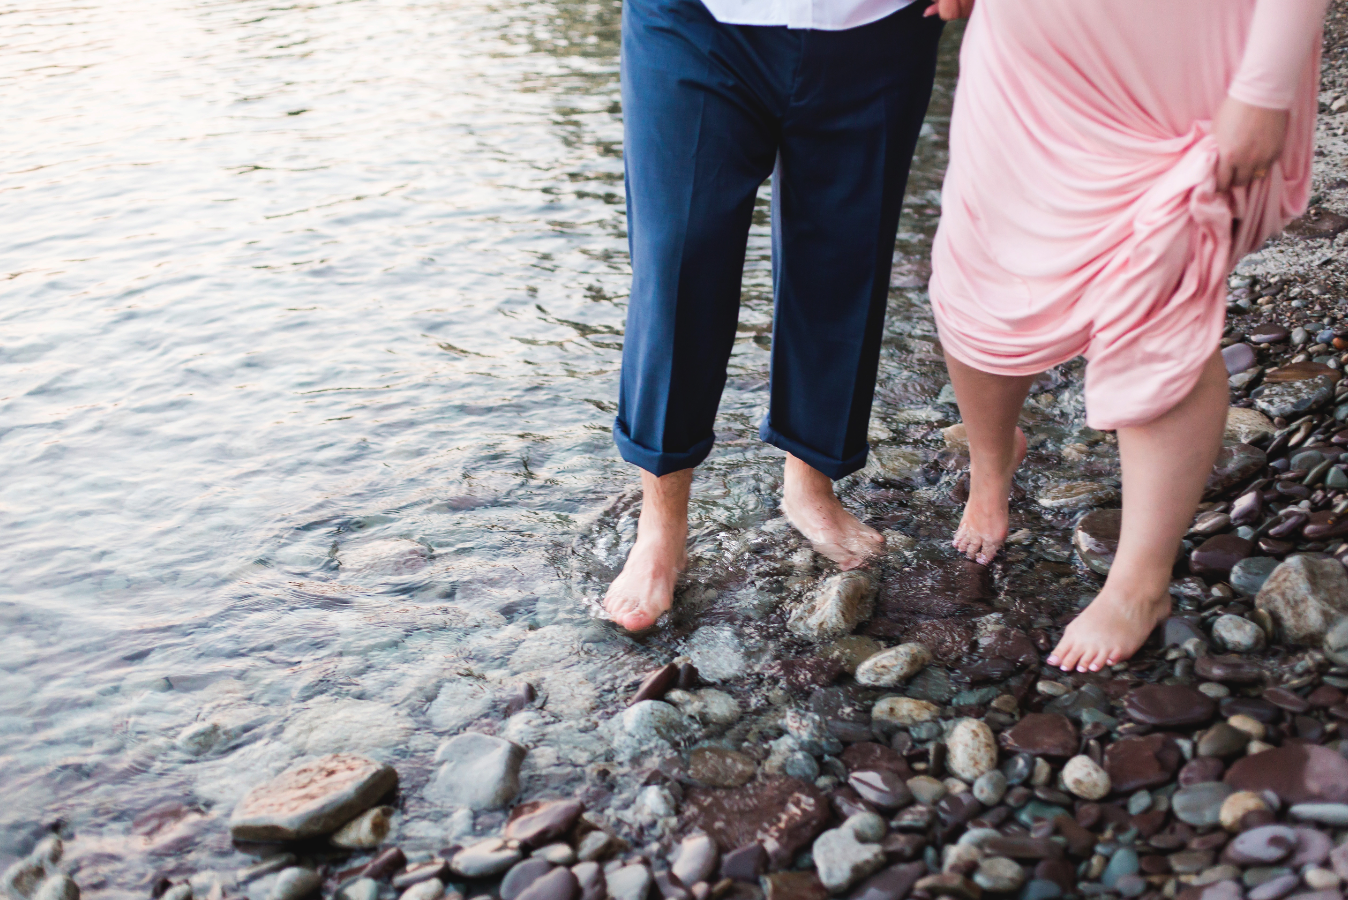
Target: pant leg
(701, 121)
(847, 142)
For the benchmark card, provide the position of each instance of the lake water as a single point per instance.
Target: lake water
(310, 325)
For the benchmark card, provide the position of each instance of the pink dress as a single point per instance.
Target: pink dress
(1079, 213)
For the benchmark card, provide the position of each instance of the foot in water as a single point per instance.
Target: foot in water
(987, 517)
(644, 590)
(808, 502)
(1110, 630)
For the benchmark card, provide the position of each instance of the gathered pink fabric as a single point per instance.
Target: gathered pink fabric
(1080, 213)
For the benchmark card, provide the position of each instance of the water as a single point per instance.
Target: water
(311, 325)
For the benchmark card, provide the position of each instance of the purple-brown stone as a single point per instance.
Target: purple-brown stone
(1042, 734)
(781, 813)
(1169, 706)
(1297, 773)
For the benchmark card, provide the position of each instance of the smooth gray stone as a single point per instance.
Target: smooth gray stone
(1275, 888)
(1324, 813)
(294, 883)
(360, 889)
(1123, 862)
(478, 771)
(1199, 805)
(1040, 889)
(630, 882)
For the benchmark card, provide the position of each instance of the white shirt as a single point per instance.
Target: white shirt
(825, 15)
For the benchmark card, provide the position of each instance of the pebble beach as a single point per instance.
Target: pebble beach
(791, 732)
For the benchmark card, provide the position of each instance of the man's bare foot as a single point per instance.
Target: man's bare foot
(987, 518)
(808, 502)
(644, 590)
(1112, 628)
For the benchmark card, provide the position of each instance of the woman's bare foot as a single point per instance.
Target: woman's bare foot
(808, 502)
(644, 590)
(986, 520)
(1113, 628)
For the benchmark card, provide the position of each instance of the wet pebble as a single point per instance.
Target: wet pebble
(294, 883)
(842, 860)
(484, 859)
(1085, 778)
(1237, 634)
(892, 667)
(841, 603)
(521, 875)
(903, 711)
(971, 749)
(1200, 804)
(630, 882)
(559, 884)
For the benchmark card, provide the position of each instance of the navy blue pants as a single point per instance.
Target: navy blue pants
(709, 111)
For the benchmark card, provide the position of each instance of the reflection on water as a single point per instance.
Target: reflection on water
(311, 321)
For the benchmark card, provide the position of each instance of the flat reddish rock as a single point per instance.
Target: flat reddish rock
(794, 886)
(1141, 762)
(1297, 773)
(870, 755)
(311, 799)
(783, 814)
(1169, 706)
(1042, 734)
(540, 822)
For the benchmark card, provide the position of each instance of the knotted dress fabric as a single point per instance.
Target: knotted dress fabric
(1080, 214)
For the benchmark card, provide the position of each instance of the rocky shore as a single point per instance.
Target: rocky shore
(795, 733)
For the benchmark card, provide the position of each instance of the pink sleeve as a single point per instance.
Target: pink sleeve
(1281, 40)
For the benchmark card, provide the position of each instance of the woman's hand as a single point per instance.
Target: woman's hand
(1249, 142)
(950, 9)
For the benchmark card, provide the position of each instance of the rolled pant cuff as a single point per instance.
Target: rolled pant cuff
(658, 462)
(833, 468)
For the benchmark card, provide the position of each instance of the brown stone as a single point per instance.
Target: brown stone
(656, 684)
(1228, 669)
(892, 883)
(721, 767)
(1218, 554)
(1169, 706)
(794, 886)
(311, 799)
(1297, 773)
(1318, 223)
(1141, 762)
(540, 822)
(1302, 371)
(783, 814)
(870, 755)
(1042, 734)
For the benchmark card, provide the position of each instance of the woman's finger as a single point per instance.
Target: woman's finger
(1223, 175)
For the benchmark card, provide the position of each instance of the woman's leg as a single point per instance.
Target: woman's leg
(990, 406)
(1166, 463)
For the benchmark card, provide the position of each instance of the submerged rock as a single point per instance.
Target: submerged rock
(842, 860)
(478, 771)
(1077, 495)
(892, 667)
(782, 814)
(840, 604)
(1096, 538)
(311, 799)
